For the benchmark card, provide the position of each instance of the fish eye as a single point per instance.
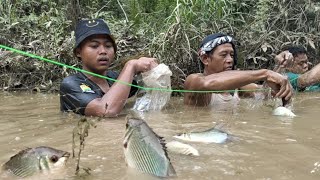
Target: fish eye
(54, 158)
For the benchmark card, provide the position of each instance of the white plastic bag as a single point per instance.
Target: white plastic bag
(159, 80)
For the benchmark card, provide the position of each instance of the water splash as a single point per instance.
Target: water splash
(316, 167)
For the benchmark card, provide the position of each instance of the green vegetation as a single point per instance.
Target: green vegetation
(167, 29)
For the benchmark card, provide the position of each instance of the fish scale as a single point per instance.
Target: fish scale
(144, 150)
(134, 154)
(141, 153)
(138, 153)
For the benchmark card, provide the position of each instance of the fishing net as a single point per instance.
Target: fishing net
(159, 80)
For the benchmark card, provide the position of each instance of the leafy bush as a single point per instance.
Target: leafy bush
(169, 30)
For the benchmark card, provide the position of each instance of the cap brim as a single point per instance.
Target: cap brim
(90, 33)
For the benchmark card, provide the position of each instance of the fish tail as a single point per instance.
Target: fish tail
(233, 138)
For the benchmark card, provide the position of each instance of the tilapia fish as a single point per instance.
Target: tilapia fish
(145, 151)
(212, 135)
(36, 160)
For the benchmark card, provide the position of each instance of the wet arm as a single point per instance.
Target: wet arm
(234, 79)
(114, 100)
(309, 78)
(228, 80)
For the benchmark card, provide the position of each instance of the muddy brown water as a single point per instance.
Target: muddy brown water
(269, 147)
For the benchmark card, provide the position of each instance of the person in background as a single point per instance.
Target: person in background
(89, 95)
(218, 56)
(294, 63)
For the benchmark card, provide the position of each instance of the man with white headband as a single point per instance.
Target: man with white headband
(218, 56)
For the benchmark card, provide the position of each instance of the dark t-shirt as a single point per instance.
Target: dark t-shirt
(76, 91)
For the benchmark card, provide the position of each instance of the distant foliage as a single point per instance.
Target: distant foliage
(170, 30)
(277, 24)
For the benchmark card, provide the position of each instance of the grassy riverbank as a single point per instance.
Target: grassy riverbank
(168, 30)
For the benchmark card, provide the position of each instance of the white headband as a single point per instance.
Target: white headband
(214, 43)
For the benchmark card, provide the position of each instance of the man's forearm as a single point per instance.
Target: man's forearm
(309, 78)
(116, 97)
(234, 79)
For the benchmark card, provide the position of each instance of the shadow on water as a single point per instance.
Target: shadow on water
(270, 147)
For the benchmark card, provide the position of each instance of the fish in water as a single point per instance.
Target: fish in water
(145, 151)
(212, 135)
(36, 160)
(283, 111)
(181, 148)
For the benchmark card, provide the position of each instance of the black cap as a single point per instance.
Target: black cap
(86, 28)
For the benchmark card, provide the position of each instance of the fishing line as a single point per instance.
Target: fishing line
(115, 80)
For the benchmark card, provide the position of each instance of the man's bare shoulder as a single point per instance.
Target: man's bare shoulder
(192, 80)
(194, 76)
(195, 82)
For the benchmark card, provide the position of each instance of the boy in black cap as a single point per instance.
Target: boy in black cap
(89, 95)
(218, 56)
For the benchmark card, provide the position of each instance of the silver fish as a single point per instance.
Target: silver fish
(181, 148)
(283, 111)
(212, 135)
(145, 151)
(36, 160)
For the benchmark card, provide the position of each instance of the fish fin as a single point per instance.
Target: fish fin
(233, 138)
(160, 138)
(21, 171)
(164, 147)
(126, 138)
(230, 137)
(20, 153)
(179, 134)
(216, 128)
(171, 171)
(135, 114)
(163, 144)
(219, 126)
